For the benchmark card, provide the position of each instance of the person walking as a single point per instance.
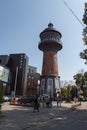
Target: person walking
(59, 99)
(47, 101)
(42, 100)
(50, 102)
(36, 104)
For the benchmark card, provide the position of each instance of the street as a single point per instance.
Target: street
(76, 120)
(62, 118)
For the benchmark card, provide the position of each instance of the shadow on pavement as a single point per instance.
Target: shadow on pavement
(23, 118)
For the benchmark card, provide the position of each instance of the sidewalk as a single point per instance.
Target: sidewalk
(20, 117)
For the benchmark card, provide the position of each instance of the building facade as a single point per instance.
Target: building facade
(18, 66)
(32, 80)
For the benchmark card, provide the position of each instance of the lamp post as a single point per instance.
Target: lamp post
(15, 80)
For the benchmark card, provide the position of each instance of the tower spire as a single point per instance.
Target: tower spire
(50, 25)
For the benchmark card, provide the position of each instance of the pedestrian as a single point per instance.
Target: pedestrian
(47, 101)
(36, 104)
(50, 102)
(59, 99)
(14, 100)
(42, 100)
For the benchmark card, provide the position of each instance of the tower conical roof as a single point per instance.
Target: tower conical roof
(50, 29)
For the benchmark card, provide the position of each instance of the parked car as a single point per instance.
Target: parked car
(26, 99)
(6, 98)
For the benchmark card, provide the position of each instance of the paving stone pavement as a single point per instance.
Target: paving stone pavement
(16, 117)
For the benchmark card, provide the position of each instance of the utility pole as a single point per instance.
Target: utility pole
(16, 79)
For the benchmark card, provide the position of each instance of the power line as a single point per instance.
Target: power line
(73, 13)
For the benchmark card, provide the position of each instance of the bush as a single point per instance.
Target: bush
(85, 93)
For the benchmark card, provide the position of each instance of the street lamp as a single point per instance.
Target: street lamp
(15, 80)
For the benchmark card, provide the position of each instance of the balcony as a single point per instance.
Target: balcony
(50, 44)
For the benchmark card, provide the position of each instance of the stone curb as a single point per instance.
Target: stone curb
(73, 107)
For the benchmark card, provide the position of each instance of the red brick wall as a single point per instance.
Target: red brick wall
(50, 65)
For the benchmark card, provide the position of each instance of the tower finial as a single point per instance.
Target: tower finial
(50, 25)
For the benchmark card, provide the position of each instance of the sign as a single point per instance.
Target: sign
(4, 73)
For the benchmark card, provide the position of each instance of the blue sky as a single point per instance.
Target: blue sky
(21, 22)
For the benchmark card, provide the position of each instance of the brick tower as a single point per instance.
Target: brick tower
(50, 44)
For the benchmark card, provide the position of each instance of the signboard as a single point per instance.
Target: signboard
(4, 73)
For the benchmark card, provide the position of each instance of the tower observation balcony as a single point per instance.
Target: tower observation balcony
(50, 39)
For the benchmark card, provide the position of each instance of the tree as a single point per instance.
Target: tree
(85, 14)
(79, 79)
(85, 76)
(74, 92)
(83, 54)
(66, 92)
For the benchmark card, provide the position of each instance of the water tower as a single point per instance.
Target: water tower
(50, 44)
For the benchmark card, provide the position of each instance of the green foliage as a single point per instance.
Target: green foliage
(85, 93)
(69, 92)
(79, 79)
(85, 14)
(85, 40)
(85, 76)
(83, 54)
(64, 91)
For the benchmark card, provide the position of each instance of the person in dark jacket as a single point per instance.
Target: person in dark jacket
(36, 104)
